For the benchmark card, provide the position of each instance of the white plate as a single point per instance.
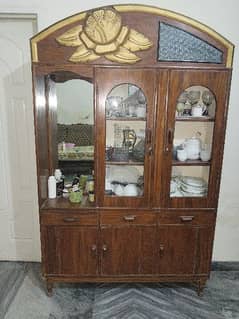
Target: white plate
(194, 181)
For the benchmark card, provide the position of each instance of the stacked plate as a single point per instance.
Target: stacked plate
(193, 186)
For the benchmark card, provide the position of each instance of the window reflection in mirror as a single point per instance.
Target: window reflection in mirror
(75, 128)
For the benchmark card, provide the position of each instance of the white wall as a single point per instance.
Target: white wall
(75, 102)
(220, 15)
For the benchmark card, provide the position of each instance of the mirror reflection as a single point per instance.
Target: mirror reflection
(75, 128)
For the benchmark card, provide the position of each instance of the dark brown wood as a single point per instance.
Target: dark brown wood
(75, 250)
(205, 242)
(116, 217)
(177, 245)
(60, 203)
(191, 163)
(148, 238)
(66, 218)
(128, 250)
(194, 119)
(182, 217)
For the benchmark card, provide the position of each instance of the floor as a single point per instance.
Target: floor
(22, 296)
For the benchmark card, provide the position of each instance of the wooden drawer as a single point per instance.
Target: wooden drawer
(114, 217)
(184, 217)
(53, 218)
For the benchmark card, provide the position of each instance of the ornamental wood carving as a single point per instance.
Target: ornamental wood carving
(103, 34)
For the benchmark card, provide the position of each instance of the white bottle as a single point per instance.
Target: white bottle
(51, 187)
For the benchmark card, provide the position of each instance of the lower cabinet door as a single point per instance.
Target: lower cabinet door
(70, 250)
(128, 250)
(177, 249)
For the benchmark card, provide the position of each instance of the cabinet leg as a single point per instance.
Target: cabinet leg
(49, 288)
(200, 286)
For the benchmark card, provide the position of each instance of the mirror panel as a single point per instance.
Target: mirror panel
(75, 128)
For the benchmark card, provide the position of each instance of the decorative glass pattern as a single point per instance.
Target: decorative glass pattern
(178, 45)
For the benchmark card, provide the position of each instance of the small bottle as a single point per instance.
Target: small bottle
(51, 187)
(91, 197)
(58, 174)
(59, 181)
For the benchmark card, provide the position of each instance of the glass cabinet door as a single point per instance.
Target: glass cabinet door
(125, 102)
(194, 139)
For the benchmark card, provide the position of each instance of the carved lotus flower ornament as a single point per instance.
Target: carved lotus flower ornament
(103, 35)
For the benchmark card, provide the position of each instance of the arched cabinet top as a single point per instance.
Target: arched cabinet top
(134, 35)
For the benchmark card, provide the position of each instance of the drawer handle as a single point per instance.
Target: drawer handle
(186, 218)
(161, 250)
(129, 218)
(70, 219)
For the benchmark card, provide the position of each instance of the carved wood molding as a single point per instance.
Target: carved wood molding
(118, 49)
(104, 35)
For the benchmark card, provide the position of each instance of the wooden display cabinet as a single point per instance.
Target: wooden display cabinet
(154, 214)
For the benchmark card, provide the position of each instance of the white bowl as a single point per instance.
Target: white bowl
(131, 190)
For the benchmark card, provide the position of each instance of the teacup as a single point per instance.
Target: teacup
(205, 155)
(181, 155)
(197, 110)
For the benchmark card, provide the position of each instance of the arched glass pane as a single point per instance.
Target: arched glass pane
(125, 109)
(178, 45)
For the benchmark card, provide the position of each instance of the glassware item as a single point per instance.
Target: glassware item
(180, 108)
(193, 96)
(129, 139)
(207, 98)
(75, 196)
(183, 97)
(181, 103)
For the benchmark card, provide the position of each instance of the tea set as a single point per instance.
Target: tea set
(194, 103)
(192, 149)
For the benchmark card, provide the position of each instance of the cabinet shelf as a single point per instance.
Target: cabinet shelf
(140, 119)
(64, 203)
(125, 163)
(194, 119)
(191, 163)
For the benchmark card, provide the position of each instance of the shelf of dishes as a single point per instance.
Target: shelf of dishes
(124, 180)
(188, 186)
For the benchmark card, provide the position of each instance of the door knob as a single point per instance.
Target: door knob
(94, 248)
(104, 248)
